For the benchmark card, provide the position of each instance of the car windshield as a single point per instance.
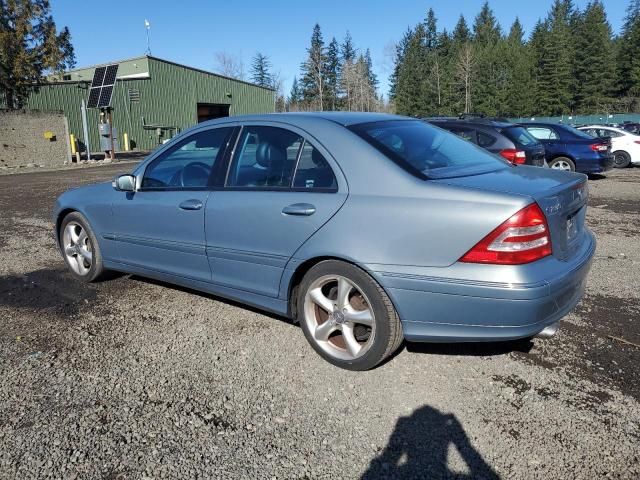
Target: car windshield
(426, 150)
(520, 136)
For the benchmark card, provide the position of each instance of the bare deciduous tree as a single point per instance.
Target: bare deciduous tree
(229, 65)
(464, 72)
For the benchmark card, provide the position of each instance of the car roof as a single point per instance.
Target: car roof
(476, 122)
(606, 127)
(298, 118)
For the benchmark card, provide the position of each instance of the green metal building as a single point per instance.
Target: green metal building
(152, 100)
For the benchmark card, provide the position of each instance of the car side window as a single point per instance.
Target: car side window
(611, 133)
(189, 163)
(485, 140)
(313, 171)
(265, 158)
(543, 133)
(466, 133)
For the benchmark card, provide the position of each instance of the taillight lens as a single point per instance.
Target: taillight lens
(599, 147)
(523, 238)
(513, 155)
(636, 141)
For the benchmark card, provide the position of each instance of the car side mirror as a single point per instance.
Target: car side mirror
(125, 183)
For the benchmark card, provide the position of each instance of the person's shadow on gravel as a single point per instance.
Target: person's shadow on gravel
(419, 446)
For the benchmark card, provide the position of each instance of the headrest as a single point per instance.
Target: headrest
(271, 156)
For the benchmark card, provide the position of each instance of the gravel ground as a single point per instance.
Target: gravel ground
(130, 378)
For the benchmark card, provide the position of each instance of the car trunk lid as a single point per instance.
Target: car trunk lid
(562, 196)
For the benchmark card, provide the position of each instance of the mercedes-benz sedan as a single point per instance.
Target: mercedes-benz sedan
(367, 229)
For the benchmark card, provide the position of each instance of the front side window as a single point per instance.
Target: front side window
(313, 171)
(425, 150)
(265, 158)
(189, 163)
(542, 133)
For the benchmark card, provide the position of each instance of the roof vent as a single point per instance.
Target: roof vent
(134, 95)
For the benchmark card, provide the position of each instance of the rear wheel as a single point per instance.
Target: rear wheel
(347, 317)
(562, 163)
(621, 159)
(80, 248)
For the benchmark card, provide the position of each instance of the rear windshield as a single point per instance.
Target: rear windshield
(576, 132)
(426, 150)
(520, 136)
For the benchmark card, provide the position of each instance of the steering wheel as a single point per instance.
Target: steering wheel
(193, 174)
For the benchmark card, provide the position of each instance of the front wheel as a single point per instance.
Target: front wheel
(80, 248)
(621, 159)
(563, 163)
(347, 317)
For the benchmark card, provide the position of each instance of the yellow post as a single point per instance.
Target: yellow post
(72, 140)
(126, 142)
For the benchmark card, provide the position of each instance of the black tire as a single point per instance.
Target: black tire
(559, 160)
(621, 159)
(96, 270)
(388, 329)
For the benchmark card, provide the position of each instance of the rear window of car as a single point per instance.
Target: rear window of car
(427, 151)
(520, 136)
(575, 132)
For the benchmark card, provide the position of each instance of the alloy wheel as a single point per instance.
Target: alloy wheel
(339, 317)
(77, 248)
(561, 165)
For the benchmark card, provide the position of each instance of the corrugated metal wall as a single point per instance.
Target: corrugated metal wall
(169, 97)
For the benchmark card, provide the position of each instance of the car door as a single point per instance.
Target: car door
(160, 226)
(280, 188)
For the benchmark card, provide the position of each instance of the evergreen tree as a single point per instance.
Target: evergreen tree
(628, 58)
(313, 71)
(409, 93)
(30, 48)
(490, 72)
(371, 76)
(461, 32)
(401, 48)
(295, 96)
(430, 31)
(347, 50)
(594, 63)
(261, 71)
(554, 75)
(332, 73)
(519, 99)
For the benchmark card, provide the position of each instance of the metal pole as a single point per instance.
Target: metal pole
(85, 129)
(110, 120)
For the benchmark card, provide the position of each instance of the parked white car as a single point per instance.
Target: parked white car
(624, 145)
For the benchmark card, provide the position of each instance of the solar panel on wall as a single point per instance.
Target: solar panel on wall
(101, 91)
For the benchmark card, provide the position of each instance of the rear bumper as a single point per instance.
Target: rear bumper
(436, 309)
(595, 165)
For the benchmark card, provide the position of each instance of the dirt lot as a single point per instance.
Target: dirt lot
(130, 378)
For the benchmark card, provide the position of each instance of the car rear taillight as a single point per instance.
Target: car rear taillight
(599, 147)
(636, 141)
(523, 238)
(513, 155)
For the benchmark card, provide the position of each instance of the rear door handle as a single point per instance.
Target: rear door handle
(299, 209)
(192, 204)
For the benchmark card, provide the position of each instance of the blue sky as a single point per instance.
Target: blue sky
(190, 31)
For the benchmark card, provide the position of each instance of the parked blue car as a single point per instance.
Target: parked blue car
(367, 229)
(567, 148)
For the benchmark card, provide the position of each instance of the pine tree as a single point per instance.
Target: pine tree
(313, 71)
(518, 99)
(401, 48)
(594, 64)
(30, 48)
(261, 71)
(628, 58)
(461, 32)
(332, 72)
(411, 76)
(490, 68)
(295, 96)
(554, 75)
(346, 76)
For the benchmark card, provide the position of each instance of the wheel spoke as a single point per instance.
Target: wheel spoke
(344, 288)
(82, 269)
(362, 317)
(321, 300)
(323, 331)
(73, 235)
(86, 254)
(70, 251)
(82, 238)
(353, 347)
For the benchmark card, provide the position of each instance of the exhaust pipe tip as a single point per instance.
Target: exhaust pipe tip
(548, 331)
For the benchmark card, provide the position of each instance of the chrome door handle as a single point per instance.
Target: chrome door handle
(191, 205)
(299, 209)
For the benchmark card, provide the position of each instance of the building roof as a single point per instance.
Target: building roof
(138, 67)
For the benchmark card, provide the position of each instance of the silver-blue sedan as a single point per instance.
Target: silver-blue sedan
(367, 229)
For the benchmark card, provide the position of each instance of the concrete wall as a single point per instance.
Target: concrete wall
(22, 139)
